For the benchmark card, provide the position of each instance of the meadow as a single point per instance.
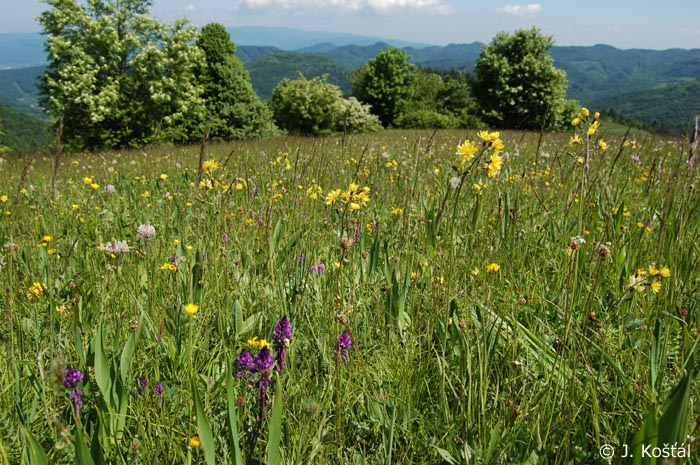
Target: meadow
(402, 297)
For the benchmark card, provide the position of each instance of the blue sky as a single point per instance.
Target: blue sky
(624, 24)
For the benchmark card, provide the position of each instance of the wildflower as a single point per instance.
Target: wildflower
(495, 164)
(256, 343)
(191, 309)
(3, 198)
(665, 272)
(210, 165)
(195, 442)
(466, 151)
(146, 231)
(575, 140)
(333, 196)
(143, 382)
(245, 364)
(109, 189)
(342, 345)
(163, 177)
(602, 145)
(72, 377)
(655, 286)
(281, 337)
(396, 211)
(169, 267)
(455, 181)
(337, 266)
(576, 122)
(37, 288)
(318, 269)
(493, 268)
(115, 247)
(158, 389)
(87, 180)
(585, 112)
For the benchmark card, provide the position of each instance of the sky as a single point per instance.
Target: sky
(620, 23)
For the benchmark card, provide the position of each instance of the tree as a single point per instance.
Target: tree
(315, 107)
(233, 107)
(385, 83)
(119, 77)
(517, 85)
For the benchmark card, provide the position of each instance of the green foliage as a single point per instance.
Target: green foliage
(517, 85)
(118, 77)
(315, 106)
(386, 84)
(306, 106)
(440, 100)
(233, 107)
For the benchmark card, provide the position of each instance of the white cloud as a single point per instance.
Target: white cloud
(190, 8)
(530, 9)
(353, 6)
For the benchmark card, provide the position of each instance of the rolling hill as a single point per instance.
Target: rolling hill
(21, 132)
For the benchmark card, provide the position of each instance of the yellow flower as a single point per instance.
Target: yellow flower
(665, 272)
(46, 238)
(37, 288)
(195, 442)
(475, 272)
(210, 165)
(653, 271)
(336, 266)
(87, 180)
(169, 267)
(493, 268)
(256, 343)
(3, 198)
(95, 186)
(602, 145)
(396, 211)
(495, 165)
(585, 112)
(596, 115)
(656, 287)
(576, 122)
(332, 196)
(593, 128)
(466, 151)
(191, 309)
(163, 177)
(575, 140)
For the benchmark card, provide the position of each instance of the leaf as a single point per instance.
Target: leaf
(233, 421)
(204, 429)
(82, 453)
(673, 422)
(37, 456)
(446, 456)
(128, 353)
(646, 436)
(275, 436)
(103, 374)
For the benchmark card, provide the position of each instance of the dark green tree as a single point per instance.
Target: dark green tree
(233, 108)
(118, 77)
(517, 85)
(386, 83)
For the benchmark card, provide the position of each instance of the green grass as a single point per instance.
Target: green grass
(543, 361)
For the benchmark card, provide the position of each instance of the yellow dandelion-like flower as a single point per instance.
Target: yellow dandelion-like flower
(333, 196)
(466, 151)
(495, 164)
(191, 309)
(3, 198)
(575, 140)
(396, 211)
(576, 122)
(656, 286)
(665, 272)
(493, 268)
(602, 145)
(210, 165)
(337, 266)
(585, 112)
(653, 270)
(87, 180)
(168, 267)
(163, 177)
(195, 441)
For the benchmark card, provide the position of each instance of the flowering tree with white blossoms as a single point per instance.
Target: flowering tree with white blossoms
(118, 77)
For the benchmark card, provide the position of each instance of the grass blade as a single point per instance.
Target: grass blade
(204, 429)
(275, 438)
(233, 421)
